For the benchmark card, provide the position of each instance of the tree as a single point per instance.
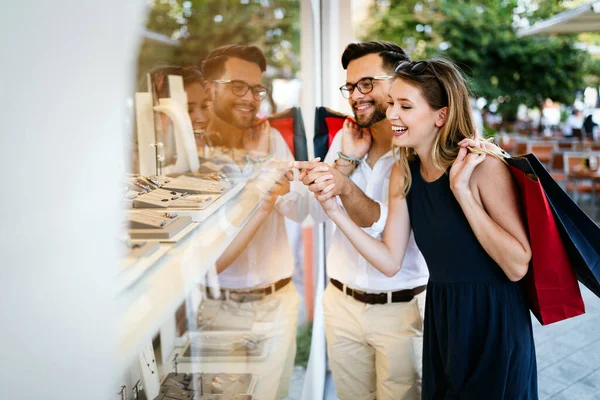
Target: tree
(203, 25)
(481, 37)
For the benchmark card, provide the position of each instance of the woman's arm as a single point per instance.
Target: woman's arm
(385, 255)
(489, 200)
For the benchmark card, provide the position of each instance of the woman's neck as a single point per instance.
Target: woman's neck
(428, 169)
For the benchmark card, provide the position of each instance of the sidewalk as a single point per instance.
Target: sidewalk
(568, 355)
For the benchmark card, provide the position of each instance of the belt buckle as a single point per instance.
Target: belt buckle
(345, 290)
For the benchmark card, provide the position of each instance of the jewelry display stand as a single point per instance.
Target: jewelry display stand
(166, 199)
(168, 232)
(141, 249)
(209, 386)
(196, 185)
(150, 150)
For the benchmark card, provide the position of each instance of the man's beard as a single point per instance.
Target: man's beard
(226, 113)
(367, 120)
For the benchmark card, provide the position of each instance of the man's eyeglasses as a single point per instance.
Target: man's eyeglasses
(407, 66)
(365, 85)
(240, 88)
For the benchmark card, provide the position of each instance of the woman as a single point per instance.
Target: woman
(197, 97)
(464, 211)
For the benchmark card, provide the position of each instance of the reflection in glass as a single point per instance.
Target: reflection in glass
(227, 66)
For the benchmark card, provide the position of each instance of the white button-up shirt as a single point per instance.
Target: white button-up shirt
(268, 257)
(344, 262)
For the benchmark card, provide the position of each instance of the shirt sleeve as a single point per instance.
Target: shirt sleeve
(376, 230)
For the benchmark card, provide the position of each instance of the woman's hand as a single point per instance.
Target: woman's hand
(329, 203)
(478, 142)
(461, 171)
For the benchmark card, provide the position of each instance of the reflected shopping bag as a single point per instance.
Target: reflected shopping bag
(580, 233)
(327, 124)
(552, 286)
(290, 125)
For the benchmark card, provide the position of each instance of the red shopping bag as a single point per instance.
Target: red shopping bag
(552, 286)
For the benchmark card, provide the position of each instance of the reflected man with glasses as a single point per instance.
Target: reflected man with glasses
(255, 270)
(234, 78)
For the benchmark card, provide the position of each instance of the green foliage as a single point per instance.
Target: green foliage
(303, 340)
(203, 25)
(592, 72)
(481, 37)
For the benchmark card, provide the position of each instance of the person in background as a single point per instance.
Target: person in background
(589, 127)
(464, 211)
(575, 121)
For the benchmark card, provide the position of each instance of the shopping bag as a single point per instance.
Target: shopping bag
(290, 125)
(551, 282)
(581, 235)
(327, 124)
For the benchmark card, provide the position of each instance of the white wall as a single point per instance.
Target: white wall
(67, 68)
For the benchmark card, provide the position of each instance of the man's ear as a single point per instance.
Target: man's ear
(440, 119)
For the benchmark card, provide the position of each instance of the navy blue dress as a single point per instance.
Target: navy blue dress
(478, 340)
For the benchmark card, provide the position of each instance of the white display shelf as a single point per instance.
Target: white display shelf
(148, 303)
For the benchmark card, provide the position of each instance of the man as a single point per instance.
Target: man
(575, 121)
(374, 324)
(255, 271)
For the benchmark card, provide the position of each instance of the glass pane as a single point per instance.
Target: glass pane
(214, 229)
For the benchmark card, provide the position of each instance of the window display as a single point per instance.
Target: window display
(212, 226)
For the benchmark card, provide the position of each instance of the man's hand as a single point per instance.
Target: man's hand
(305, 166)
(356, 141)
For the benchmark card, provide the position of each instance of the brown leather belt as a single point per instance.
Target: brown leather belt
(248, 295)
(400, 296)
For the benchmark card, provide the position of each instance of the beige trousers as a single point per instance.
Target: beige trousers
(375, 351)
(274, 373)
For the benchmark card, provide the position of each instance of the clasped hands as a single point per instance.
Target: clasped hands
(327, 182)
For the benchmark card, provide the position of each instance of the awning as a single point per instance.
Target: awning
(585, 18)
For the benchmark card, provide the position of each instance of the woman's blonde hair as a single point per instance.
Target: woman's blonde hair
(443, 85)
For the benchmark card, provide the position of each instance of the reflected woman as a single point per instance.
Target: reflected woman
(198, 104)
(464, 211)
(197, 96)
